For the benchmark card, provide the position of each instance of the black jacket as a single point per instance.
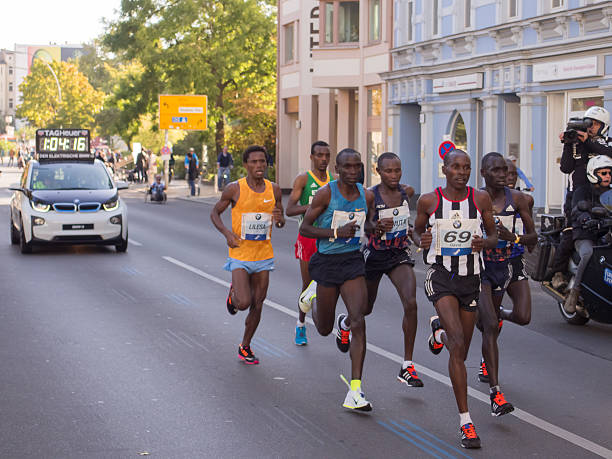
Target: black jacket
(590, 194)
(576, 165)
(193, 169)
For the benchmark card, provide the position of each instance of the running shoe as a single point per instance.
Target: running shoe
(409, 377)
(343, 340)
(307, 296)
(228, 303)
(469, 438)
(300, 336)
(499, 405)
(434, 346)
(246, 355)
(355, 400)
(483, 374)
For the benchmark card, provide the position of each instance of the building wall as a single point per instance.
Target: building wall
(8, 88)
(511, 78)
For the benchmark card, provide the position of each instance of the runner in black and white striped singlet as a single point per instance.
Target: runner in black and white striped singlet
(448, 227)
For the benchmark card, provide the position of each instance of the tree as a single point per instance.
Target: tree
(41, 106)
(217, 48)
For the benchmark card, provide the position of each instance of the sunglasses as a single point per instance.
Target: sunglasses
(604, 173)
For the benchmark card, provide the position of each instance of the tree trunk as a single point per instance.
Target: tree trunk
(220, 126)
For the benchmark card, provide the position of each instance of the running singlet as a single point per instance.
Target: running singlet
(252, 221)
(310, 189)
(398, 237)
(453, 224)
(339, 212)
(502, 251)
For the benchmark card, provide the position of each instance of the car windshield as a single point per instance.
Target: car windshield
(70, 176)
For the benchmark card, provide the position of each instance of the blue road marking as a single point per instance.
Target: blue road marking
(414, 426)
(265, 349)
(421, 447)
(272, 346)
(417, 437)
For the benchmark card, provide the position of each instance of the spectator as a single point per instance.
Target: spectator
(225, 163)
(192, 172)
(193, 153)
(11, 158)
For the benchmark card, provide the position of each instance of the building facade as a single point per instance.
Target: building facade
(495, 75)
(330, 57)
(7, 83)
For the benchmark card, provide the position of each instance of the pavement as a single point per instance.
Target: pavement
(108, 355)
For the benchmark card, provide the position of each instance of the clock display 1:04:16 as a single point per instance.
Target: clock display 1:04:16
(64, 144)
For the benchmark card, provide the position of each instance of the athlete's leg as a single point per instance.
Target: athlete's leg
(458, 325)
(324, 308)
(241, 289)
(305, 281)
(487, 316)
(520, 294)
(372, 286)
(404, 281)
(259, 283)
(355, 293)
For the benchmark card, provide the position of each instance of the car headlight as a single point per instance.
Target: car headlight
(40, 206)
(111, 205)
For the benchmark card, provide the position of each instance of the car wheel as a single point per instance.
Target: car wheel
(123, 245)
(25, 247)
(14, 233)
(574, 319)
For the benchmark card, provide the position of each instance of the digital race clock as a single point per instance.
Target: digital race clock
(63, 144)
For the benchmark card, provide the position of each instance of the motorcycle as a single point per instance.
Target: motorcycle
(595, 302)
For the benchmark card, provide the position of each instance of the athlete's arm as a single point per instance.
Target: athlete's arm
(483, 201)
(317, 207)
(425, 206)
(277, 213)
(369, 224)
(522, 206)
(230, 195)
(298, 188)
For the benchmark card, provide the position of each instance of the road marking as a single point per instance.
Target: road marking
(520, 414)
(136, 243)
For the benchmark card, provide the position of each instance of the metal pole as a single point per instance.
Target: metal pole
(59, 89)
(166, 162)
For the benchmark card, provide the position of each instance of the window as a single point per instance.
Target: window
(512, 8)
(289, 43)
(458, 133)
(468, 14)
(582, 104)
(10, 87)
(341, 22)
(10, 103)
(10, 70)
(374, 18)
(557, 3)
(374, 101)
(434, 28)
(409, 22)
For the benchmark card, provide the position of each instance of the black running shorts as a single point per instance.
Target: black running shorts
(497, 274)
(517, 265)
(333, 270)
(379, 262)
(440, 283)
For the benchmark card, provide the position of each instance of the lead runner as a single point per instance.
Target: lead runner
(453, 242)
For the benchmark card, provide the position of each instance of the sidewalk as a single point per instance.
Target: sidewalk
(179, 189)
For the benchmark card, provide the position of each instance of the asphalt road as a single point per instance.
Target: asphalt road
(108, 355)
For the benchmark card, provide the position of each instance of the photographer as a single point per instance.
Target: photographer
(582, 140)
(585, 228)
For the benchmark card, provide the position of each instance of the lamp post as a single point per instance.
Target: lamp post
(59, 89)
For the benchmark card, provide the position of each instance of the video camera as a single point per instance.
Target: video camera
(573, 126)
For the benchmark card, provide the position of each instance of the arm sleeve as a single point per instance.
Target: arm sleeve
(524, 178)
(568, 163)
(598, 147)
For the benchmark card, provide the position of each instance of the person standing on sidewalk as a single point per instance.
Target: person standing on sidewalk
(225, 162)
(192, 172)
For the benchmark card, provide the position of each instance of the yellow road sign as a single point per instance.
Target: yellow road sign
(182, 112)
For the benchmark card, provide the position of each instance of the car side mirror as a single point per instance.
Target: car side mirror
(15, 187)
(121, 185)
(584, 206)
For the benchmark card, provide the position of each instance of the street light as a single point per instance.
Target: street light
(59, 89)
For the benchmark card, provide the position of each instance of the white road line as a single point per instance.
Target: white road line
(520, 414)
(136, 243)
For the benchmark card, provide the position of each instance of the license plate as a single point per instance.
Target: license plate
(78, 226)
(608, 276)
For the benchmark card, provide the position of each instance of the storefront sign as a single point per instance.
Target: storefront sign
(458, 83)
(564, 70)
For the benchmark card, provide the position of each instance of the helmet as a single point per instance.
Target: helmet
(600, 114)
(596, 163)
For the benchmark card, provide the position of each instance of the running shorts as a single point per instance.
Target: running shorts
(334, 269)
(305, 248)
(250, 267)
(517, 264)
(379, 262)
(440, 283)
(497, 274)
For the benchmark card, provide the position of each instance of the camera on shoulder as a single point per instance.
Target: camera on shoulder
(575, 125)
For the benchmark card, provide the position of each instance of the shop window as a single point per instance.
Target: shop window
(374, 101)
(341, 22)
(289, 46)
(582, 104)
(458, 133)
(374, 151)
(374, 18)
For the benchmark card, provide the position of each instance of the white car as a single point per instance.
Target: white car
(68, 202)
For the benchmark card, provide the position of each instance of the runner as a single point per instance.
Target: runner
(453, 243)
(507, 204)
(256, 204)
(388, 252)
(340, 211)
(304, 188)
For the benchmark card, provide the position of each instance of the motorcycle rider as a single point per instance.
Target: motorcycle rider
(599, 174)
(574, 161)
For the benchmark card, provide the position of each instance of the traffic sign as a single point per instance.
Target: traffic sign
(186, 112)
(445, 147)
(165, 153)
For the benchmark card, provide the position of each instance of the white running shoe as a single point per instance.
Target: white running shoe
(355, 400)
(307, 296)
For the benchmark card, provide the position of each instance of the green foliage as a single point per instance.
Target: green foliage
(41, 106)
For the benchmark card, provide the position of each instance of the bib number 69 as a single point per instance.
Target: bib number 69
(456, 236)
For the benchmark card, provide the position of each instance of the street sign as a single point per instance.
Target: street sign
(165, 153)
(187, 112)
(445, 147)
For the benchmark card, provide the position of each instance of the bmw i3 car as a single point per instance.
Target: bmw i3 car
(67, 199)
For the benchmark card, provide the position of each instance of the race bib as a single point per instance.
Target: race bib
(400, 216)
(454, 236)
(507, 221)
(256, 226)
(341, 218)
(519, 228)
